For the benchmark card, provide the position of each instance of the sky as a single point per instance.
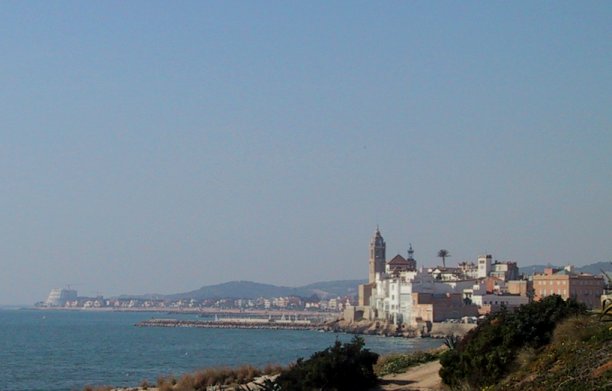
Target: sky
(156, 147)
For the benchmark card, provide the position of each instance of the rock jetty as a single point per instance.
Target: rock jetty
(232, 324)
(388, 329)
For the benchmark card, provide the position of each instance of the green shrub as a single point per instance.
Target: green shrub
(398, 363)
(489, 351)
(577, 359)
(341, 367)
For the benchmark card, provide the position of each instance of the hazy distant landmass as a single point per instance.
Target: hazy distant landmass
(326, 289)
(252, 290)
(593, 268)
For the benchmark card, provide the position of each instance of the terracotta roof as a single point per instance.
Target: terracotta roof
(398, 260)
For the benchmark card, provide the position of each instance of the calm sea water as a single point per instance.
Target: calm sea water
(57, 350)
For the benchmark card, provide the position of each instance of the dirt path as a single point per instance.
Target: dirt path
(423, 377)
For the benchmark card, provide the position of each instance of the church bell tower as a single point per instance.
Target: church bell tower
(377, 255)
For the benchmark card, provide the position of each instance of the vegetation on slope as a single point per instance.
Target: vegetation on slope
(489, 352)
(400, 363)
(204, 379)
(341, 367)
(579, 357)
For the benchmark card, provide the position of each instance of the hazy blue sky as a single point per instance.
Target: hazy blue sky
(162, 146)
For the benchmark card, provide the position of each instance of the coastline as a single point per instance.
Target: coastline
(196, 311)
(380, 328)
(388, 329)
(232, 324)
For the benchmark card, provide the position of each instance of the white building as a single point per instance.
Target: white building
(394, 299)
(498, 296)
(59, 297)
(401, 294)
(484, 265)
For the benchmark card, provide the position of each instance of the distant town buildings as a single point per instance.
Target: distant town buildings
(59, 297)
(68, 298)
(399, 292)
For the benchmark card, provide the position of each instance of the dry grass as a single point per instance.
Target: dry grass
(204, 378)
(578, 358)
(210, 377)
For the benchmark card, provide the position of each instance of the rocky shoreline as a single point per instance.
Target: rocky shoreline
(382, 328)
(228, 324)
(387, 329)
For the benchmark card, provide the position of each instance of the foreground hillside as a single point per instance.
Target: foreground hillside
(579, 357)
(548, 345)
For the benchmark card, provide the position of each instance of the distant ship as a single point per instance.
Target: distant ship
(59, 297)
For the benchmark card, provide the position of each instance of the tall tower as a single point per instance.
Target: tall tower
(377, 255)
(411, 261)
(484, 265)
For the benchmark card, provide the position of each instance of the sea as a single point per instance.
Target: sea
(69, 350)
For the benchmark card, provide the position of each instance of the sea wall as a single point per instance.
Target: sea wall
(241, 324)
(388, 329)
(375, 327)
(371, 327)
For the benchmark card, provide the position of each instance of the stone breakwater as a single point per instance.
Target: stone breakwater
(241, 324)
(388, 329)
(436, 330)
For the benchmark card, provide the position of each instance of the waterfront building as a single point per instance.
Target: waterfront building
(59, 297)
(400, 298)
(400, 293)
(584, 288)
(364, 293)
(430, 307)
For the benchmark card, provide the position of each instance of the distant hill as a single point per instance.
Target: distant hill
(532, 269)
(252, 290)
(326, 289)
(596, 268)
(593, 268)
(335, 288)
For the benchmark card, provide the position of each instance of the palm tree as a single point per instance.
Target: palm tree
(443, 254)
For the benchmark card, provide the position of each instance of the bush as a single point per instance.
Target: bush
(488, 352)
(210, 377)
(341, 367)
(577, 358)
(398, 363)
